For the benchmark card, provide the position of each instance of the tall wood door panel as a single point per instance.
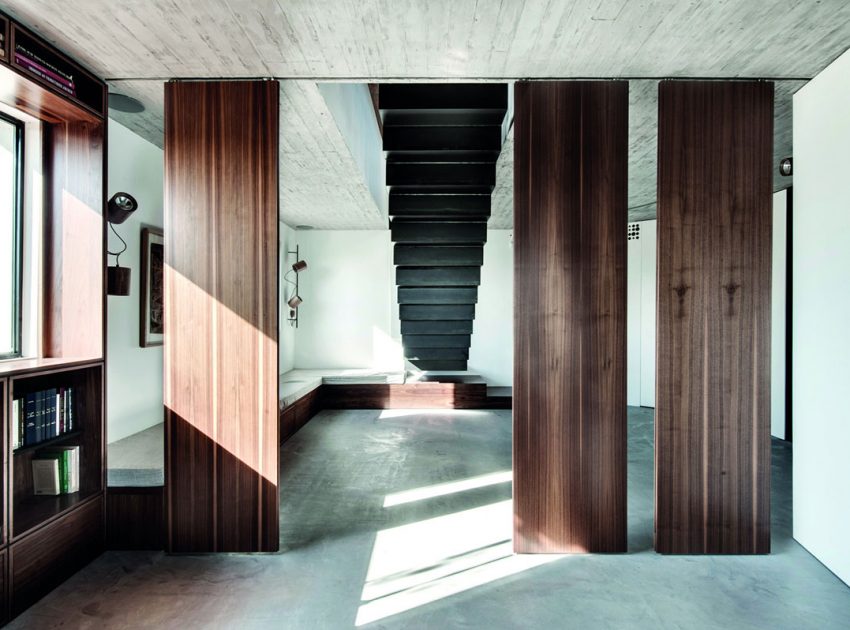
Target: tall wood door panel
(712, 438)
(221, 317)
(570, 219)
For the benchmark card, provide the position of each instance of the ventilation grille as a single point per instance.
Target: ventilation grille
(634, 231)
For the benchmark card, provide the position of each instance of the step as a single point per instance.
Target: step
(438, 255)
(435, 341)
(446, 156)
(438, 232)
(439, 173)
(411, 138)
(439, 364)
(443, 96)
(441, 295)
(436, 327)
(457, 354)
(436, 311)
(444, 116)
(437, 276)
(435, 205)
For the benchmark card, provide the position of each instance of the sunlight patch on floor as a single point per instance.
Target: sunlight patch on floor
(443, 489)
(423, 562)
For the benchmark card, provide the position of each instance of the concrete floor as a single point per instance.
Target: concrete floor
(402, 520)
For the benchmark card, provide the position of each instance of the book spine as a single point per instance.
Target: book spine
(29, 434)
(50, 414)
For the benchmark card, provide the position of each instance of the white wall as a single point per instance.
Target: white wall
(134, 374)
(349, 318)
(286, 336)
(640, 318)
(777, 321)
(821, 317)
(492, 352)
(346, 320)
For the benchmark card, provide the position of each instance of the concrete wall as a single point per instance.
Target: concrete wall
(821, 317)
(134, 374)
(354, 113)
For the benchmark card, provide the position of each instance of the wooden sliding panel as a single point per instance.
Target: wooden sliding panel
(570, 184)
(712, 438)
(221, 318)
(74, 240)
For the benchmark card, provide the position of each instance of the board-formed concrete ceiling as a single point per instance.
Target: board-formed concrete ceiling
(137, 45)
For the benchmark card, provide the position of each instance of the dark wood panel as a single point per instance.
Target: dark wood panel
(20, 93)
(405, 396)
(46, 558)
(296, 415)
(4, 586)
(74, 240)
(713, 343)
(571, 152)
(221, 284)
(135, 518)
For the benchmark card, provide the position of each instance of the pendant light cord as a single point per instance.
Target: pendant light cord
(117, 254)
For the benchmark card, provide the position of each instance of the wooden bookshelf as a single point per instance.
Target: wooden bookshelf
(45, 539)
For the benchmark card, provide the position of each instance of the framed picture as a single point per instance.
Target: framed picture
(151, 312)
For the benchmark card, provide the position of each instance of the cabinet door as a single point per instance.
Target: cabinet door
(49, 556)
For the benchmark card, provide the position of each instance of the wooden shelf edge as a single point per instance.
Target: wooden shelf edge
(16, 537)
(45, 443)
(15, 368)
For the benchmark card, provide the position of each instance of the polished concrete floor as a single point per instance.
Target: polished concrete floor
(402, 520)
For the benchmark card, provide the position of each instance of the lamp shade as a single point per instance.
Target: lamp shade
(120, 206)
(301, 265)
(295, 301)
(118, 280)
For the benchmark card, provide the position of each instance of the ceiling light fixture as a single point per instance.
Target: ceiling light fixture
(124, 103)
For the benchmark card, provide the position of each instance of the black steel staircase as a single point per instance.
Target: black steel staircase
(441, 142)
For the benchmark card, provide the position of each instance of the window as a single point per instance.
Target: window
(11, 225)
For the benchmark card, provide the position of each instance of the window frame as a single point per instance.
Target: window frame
(18, 240)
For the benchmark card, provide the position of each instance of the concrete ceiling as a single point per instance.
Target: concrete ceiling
(138, 45)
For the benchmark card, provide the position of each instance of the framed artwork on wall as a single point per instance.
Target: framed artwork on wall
(150, 306)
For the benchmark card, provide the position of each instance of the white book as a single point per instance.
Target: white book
(15, 421)
(45, 476)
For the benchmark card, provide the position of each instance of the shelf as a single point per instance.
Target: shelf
(45, 443)
(23, 367)
(37, 510)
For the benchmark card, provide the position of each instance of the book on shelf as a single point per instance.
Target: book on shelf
(43, 415)
(56, 471)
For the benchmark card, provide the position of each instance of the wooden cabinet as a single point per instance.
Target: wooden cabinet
(45, 539)
(46, 558)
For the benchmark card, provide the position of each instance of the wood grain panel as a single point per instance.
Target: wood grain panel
(405, 396)
(46, 558)
(74, 240)
(712, 434)
(135, 518)
(571, 152)
(221, 283)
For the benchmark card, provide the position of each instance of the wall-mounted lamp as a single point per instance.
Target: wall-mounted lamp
(786, 167)
(295, 300)
(119, 208)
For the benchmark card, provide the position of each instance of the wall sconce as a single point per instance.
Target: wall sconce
(295, 300)
(119, 208)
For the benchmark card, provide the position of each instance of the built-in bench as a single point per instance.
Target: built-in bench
(304, 393)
